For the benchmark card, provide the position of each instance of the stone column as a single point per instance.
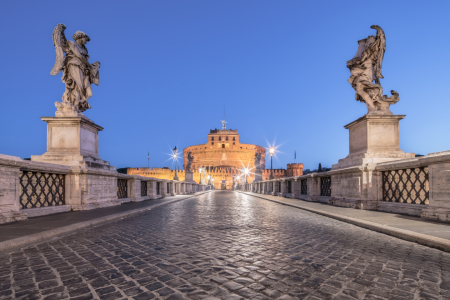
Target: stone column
(164, 190)
(10, 189)
(283, 190)
(296, 188)
(275, 188)
(313, 188)
(134, 192)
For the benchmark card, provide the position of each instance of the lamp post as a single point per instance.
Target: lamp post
(200, 170)
(175, 156)
(272, 151)
(212, 182)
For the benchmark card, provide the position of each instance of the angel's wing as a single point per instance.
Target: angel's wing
(60, 43)
(380, 43)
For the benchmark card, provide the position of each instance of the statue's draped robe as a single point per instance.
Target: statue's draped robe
(77, 76)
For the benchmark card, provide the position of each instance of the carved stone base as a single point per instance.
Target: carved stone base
(373, 139)
(65, 109)
(189, 176)
(258, 176)
(72, 141)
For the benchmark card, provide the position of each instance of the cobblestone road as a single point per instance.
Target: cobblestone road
(226, 245)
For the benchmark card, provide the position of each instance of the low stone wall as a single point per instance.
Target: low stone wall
(30, 189)
(416, 186)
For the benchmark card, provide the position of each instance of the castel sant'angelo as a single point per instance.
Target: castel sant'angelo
(221, 157)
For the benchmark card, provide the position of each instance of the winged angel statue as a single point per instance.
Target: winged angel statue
(190, 158)
(365, 68)
(258, 161)
(78, 73)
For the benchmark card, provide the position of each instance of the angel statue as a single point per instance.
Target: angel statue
(78, 73)
(365, 68)
(190, 159)
(258, 161)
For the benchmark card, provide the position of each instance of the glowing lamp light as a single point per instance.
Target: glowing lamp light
(272, 150)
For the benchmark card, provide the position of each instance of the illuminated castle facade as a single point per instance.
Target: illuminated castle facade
(222, 157)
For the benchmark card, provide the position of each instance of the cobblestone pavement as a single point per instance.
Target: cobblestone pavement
(226, 245)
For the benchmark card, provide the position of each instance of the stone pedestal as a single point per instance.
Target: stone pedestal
(258, 176)
(72, 141)
(189, 176)
(373, 139)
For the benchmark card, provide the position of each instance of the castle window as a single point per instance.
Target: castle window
(226, 138)
(212, 139)
(223, 145)
(233, 143)
(234, 138)
(212, 143)
(220, 138)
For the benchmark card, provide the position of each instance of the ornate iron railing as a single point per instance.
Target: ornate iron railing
(406, 186)
(325, 186)
(143, 188)
(122, 190)
(41, 189)
(304, 187)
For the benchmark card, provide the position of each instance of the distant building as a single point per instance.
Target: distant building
(222, 156)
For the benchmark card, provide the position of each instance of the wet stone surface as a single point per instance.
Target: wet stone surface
(226, 245)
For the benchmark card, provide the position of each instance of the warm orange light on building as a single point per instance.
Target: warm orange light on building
(222, 156)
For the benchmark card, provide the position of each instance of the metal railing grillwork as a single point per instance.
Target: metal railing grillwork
(41, 189)
(304, 187)
(325, 186)
(122, 188)
(158, 188)
(143, 188)
(289, 187)
(406, 186)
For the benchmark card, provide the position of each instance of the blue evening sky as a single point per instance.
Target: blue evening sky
(168, 68)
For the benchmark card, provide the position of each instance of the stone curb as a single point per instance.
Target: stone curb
(48, 234)
(419, 238)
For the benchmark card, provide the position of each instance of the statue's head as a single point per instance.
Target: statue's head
(82, 37)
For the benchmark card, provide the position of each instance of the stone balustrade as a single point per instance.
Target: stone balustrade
(417, 186)
(31, 188)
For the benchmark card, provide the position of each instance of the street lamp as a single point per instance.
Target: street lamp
(209, 179)
(246, 172)
(175, 156)
(212, 182)
(271, 151)
(200, 170)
